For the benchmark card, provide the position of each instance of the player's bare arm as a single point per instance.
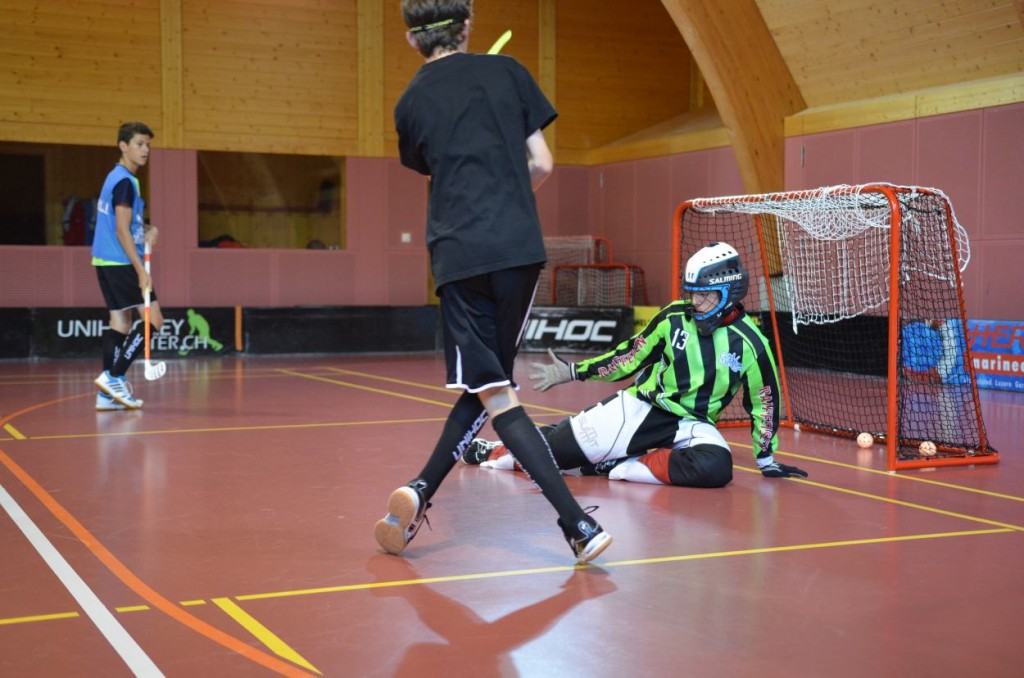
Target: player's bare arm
(539, 158)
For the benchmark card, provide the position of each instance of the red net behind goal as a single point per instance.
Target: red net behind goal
(859, 288)
(569, 249)
(599, 285)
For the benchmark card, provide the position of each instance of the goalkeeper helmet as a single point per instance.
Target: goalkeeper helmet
(716, 268)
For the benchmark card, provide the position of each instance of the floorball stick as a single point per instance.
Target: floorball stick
(157, 369)
(500, 42)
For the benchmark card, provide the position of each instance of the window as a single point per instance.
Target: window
(270, 200)
(48, 192)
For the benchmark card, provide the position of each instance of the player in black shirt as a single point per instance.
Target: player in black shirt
(473, 123)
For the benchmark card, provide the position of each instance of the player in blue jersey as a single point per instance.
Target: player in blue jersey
(117, 254)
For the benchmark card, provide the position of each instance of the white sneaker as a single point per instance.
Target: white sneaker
(119, 389)
(407, 510)
(105, 403)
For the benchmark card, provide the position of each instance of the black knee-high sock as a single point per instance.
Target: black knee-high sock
(130, 350)
(464, 422)
(112, 341)
(531, 450)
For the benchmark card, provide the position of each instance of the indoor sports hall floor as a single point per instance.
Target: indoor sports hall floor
(226, 530)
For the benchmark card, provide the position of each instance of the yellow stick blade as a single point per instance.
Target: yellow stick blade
(500, 42)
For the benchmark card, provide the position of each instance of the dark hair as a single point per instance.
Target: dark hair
(437, 24)
(128, 130)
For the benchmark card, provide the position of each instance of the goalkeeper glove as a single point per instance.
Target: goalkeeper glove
(546, 375)
(777, 470)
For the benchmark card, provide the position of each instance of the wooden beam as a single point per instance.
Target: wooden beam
(172, 125)
(750, 83)
(371, 78)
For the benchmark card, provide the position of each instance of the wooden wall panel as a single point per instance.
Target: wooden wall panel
(271, 76)
(852, 50)
(622, 67)
(73, 71)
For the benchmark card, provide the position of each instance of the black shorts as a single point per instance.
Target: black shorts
(484, 318)
(120, 287)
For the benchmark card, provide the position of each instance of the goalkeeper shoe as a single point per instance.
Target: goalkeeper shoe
(119, 389)
(105, 403)
(586, 538)
(479, 451)
(407, 511)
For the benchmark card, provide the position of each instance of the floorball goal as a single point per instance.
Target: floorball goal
(860, 289)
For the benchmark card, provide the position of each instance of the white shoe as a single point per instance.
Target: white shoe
(119, 389)
(105, 403)
(407, 510)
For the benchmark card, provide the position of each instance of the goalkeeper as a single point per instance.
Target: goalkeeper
(688, 363)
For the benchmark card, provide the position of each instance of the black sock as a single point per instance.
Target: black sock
(112, 341)
(130, 350)
(464, 422)
(531, 450)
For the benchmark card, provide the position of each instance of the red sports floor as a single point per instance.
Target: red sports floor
(227, 530)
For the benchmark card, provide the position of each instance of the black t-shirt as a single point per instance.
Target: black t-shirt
(464, 120)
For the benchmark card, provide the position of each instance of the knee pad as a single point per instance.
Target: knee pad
(700, 466)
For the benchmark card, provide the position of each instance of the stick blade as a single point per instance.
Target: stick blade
(155, 370)
(499, 44)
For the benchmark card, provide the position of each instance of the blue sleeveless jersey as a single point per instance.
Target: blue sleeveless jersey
(106, 248)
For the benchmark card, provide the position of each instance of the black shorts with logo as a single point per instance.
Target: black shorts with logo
(484, 318)
(120, 287)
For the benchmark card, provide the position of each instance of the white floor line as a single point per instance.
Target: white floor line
(133, 655)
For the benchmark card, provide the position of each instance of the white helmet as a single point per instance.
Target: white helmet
(716, 268)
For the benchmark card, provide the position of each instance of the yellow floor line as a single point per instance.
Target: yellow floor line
(262, 633)
(39, 617)
(889, 474)
(541, 570)
(14, 432)
(644, 561)
(431, 387)
(236, 429)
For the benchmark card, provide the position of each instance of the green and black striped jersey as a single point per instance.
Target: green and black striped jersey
(694, 376)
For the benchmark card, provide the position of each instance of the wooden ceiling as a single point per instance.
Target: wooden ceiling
(847, 50)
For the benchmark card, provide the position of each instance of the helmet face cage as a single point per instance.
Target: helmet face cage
(716, 268)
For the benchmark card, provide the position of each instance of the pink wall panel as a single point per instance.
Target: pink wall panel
(406, 205)
(829, 159)
(33, 273)
(173, 187)
(548, 200)
(885, 153)
(997, 264)
(949, 158)
(83, 290)
(618, 201)
(313, 278)
(1003, 172)
(407, 278)
(231, 277)
(723, 173)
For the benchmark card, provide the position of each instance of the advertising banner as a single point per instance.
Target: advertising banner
(997, 349)
(577, 329)
(78, 333)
